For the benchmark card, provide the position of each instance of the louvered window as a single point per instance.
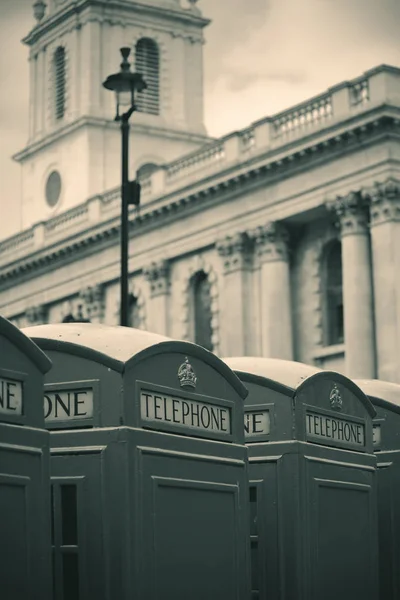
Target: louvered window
(59, 83)
(148, 65)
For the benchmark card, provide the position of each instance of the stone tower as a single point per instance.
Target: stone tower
(73, 149)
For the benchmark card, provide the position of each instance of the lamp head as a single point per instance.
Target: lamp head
(125, 84)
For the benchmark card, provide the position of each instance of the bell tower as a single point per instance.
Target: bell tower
(73, 148)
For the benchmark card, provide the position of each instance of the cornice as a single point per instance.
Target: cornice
(238, 180)
(107, 14)
(90, 121)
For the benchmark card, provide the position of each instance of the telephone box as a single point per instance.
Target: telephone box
(312, 482)
(25, 558)
(385, 397)
(149, 466)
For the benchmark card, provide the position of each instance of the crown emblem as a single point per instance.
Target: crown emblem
(335, 398)
(186, 374)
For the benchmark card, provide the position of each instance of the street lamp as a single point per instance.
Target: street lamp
(125, 84)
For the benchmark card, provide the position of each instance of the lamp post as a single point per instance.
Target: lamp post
(125, 84)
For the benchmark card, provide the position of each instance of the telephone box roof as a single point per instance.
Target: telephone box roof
(25, 345)
(119, 347)
(289, 377)
(382, 393)
(288, 374)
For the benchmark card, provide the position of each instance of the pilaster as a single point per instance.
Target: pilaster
(384, 198)
(235, 252)
(271, 242)
(158, 276)
(352, 216)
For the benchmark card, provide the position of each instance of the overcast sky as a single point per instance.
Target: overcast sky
(261, 56)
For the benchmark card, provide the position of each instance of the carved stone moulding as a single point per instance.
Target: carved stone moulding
(36, 315)
(350, 212)
(384, 201)
(271, 241)
(235, 250)
(157, 274)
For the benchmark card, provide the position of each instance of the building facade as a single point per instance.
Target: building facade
(280, 240)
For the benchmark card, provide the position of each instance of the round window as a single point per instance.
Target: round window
(53, 188)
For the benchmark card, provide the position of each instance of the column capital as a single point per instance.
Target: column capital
(157, 274)
(351, 213)
(271, 242)
(93, 299)
(384, 201)
(235, 251)
(36, 315)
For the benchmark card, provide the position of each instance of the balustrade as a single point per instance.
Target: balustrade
(374, 87)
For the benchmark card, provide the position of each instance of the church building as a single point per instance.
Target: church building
(280, 240)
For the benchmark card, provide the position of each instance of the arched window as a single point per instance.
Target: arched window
(133, 312)
(333, 294)
(148, 64)
(146, 170)
(59, 82)
(201, 314)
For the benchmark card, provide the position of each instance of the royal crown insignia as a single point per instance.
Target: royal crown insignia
(335, 398)
(186, 374)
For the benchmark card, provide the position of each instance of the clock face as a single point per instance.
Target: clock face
(53, 188)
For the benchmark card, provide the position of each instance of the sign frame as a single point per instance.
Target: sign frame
(183, 394)
(87, 422)
(317, 410)
(20, 377)
(261, 408)
(379, 423)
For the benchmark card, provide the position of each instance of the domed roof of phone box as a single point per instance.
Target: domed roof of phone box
(381, 393)
(120, 347)
(25, 345)
(288, 376)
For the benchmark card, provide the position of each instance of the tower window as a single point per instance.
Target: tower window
(53, 188)
(333, 294)
(146, 170)
(148, 65)
(59, 83)
(201, 317)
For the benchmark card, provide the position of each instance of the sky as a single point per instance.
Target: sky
(260, 57)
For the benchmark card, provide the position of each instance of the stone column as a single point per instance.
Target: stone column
(158, 276)
(93, 300)
(276, 310)
(359, 334)
(236, 295)
(385, 237)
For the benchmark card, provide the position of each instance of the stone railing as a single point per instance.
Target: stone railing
(309, 115)
(208, 157)
(359, 92)
(19, 244)
(67, 219)
(248, 140)
(376, 87)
